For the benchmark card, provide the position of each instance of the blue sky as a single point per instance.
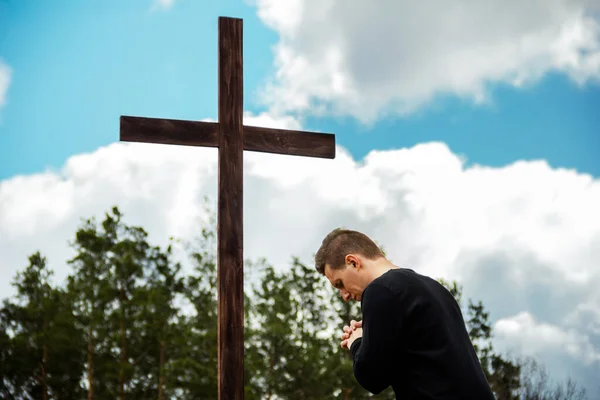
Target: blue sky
(78, 66)
(432, 83)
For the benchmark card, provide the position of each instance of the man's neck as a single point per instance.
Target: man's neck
(380, 267)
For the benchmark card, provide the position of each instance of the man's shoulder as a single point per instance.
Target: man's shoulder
(402, 283)
(398, 278)
(391, 291)
(390, 284)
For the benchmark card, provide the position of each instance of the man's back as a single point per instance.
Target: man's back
(415, 339)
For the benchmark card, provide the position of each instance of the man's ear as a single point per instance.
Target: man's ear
(352, 260)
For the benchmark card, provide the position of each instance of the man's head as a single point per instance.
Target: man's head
(350, 260)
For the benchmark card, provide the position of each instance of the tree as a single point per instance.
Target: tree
(536, 384)
(291, 355)
(191, 371)
(89, 289)
(129, 324)
(155, 327)
(124, 290)
(6, 373)
(42, 347)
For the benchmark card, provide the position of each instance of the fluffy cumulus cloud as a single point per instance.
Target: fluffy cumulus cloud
(369, 59)
(524, 239)
(162, 4)
(525, 335)
(5, 76)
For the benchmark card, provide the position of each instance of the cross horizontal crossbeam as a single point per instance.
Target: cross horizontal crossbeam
(206, 134)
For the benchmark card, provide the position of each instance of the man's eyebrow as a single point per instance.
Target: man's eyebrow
(337, 284)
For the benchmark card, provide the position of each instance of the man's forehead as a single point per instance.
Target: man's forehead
(330, 273)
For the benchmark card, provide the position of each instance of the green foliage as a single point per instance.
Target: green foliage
(42, 348)
(291, 347)
(133, 322)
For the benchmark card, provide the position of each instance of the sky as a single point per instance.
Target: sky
(467, 141)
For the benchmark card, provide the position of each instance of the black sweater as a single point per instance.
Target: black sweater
(415, 340)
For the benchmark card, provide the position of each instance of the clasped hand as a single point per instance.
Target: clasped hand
(351, 333)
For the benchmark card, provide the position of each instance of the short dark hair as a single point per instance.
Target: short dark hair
(338, 243)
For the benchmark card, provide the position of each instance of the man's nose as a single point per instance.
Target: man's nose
(345, 295)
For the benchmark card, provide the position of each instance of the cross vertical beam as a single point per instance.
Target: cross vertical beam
(231, 137)
(230, 212)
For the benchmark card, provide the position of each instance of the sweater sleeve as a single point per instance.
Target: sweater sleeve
(372, 354)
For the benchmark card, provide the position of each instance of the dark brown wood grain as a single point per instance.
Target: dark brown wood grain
(230, 209)
(206, 134)
(292, 143)
(231, 137)
(169, 131)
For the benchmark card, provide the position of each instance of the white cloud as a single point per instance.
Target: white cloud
(525, 239)
(163, 4)
(529, 337)
(5, 77)
(367, 59)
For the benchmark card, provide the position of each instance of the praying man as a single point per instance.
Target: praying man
(412, 335)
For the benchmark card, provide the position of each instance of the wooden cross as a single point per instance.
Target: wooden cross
(231, 137)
